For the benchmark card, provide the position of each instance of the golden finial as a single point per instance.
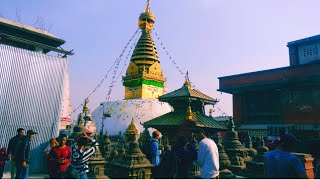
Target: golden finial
(147, 9)
(190, 114)
(210, 112)
(85, 106)
(146, 19)
(187, 81)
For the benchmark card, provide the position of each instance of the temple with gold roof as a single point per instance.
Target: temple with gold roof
(189, 112)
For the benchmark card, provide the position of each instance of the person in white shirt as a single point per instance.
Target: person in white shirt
(208, 156)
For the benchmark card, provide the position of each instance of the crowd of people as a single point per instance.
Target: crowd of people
(176, 162)
(65, 161)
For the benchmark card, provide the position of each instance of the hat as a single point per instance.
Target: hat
(31, 132)
(157, 132)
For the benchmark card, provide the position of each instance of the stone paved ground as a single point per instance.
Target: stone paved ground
(31, 176)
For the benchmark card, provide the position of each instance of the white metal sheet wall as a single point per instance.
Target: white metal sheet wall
(31, 90)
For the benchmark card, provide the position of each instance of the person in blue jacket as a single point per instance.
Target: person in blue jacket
(156, 150)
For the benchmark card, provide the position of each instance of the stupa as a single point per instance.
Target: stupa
(143, 82)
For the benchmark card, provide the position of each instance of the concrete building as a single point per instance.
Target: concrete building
(32, 85)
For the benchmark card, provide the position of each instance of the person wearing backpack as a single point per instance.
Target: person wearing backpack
(155, 151)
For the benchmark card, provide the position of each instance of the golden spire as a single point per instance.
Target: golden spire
(187, 81)
(85, 109)
(144, 76)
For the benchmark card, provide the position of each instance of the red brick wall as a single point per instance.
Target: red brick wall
(237, 108)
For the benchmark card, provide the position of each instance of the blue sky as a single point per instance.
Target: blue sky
(210, 38)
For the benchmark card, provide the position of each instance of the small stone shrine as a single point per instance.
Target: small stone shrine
(114, 154)
(255, 168)
(97, 166)
(106, 145)
(134, 164)
(251, 151)
(120, 147)
(224, 161)
(233, 147)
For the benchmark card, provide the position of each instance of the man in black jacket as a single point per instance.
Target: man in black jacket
(23, 155)
(11, 148)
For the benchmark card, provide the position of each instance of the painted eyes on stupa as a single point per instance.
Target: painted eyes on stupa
(148, 22)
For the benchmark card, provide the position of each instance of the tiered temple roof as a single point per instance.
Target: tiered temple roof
(188, 105)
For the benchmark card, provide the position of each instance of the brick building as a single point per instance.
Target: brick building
(276, 101)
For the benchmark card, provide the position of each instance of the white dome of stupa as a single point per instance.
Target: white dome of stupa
(122, 112)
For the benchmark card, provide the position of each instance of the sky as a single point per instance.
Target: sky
(208, 38)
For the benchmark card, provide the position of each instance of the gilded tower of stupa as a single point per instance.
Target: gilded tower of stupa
(144, 77)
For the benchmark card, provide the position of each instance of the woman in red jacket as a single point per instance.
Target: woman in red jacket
(59, 158)
(3, 158)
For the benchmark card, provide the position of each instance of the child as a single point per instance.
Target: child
(3, 158)
(80, 156)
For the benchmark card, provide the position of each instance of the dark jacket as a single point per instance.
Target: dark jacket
(169, 166)
(22, 150)
(12, 144)
(186, 156)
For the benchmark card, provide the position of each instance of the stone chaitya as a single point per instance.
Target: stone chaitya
(224, 161)
(134, 164)
(233, 147)
(251, 151)
(255, 168)
(97, 166)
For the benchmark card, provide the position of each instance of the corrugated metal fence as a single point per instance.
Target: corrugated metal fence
(31, 89)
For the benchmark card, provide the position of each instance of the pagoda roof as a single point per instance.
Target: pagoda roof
(176, 119)
(186, 92)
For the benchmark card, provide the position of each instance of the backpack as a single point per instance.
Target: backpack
(147, 149)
